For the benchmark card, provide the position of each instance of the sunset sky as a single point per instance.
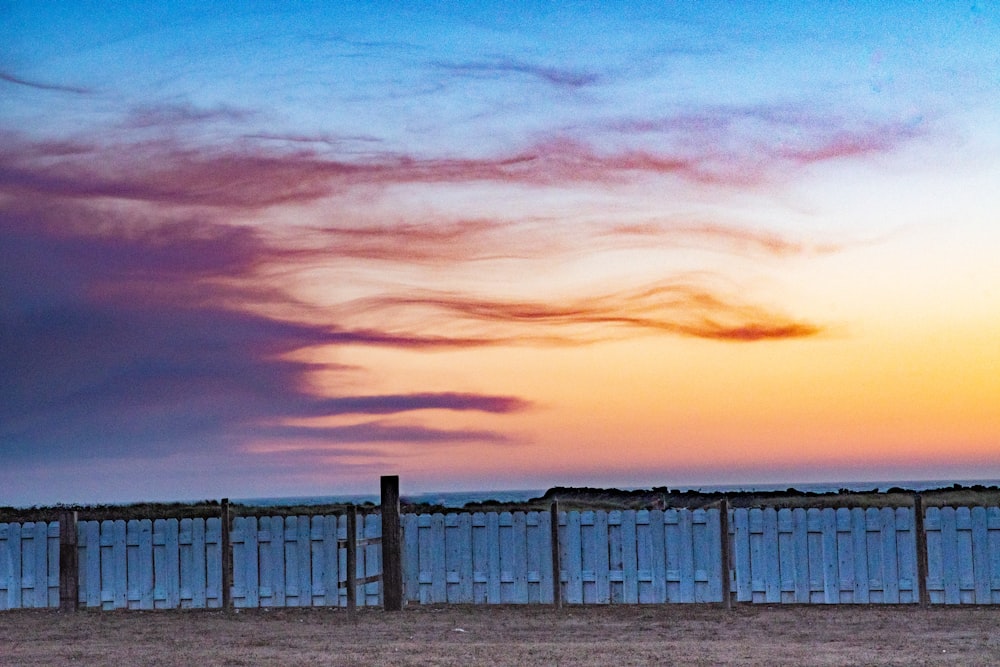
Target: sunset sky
(280, 249)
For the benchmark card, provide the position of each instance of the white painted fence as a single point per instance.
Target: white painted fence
(824, 555)
(778, 556)
(963, 555)
(300, 561)
(29, 565)
(644, 556)
(150, 564)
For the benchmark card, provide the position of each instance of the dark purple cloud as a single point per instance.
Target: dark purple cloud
(119, 338)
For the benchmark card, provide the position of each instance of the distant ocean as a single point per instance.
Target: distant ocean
(457, 499)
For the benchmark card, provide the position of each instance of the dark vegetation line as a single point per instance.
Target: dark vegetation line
(570, 498)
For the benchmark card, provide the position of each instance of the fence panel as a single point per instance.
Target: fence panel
(845, 555)
(606, 557)
(963, 555)
(29, 565)
(300, 561)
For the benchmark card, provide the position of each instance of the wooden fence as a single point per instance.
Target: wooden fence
(647, 556)
(301, 561)
(29, 565)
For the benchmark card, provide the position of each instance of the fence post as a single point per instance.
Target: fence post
(556, 565)
(921, 540)
(69, 562)
(227, 555)
(727, 591)
(352, 559)
(392, 562)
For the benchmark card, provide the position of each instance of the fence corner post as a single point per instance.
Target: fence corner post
(923, 595)
(227, 555)
(556, 564)
(392, 563)
(725, 557)
(69, 562)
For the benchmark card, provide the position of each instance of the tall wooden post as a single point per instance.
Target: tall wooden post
(392, 562)
(352, 559)
(227, 555)
(727, 592)
(556, 565)
(69, 562)
(921, 540)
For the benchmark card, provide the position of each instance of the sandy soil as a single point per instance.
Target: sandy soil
(497, 636)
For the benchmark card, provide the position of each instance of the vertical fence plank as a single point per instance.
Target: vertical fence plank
(507, 565)
(601, 563)
(572, 561)
(411, 557)
(466, 568)
(436, 559)
(874, 566)
(657, 557)
(772, 557)
(493, 586)
(541, 550)
(214, 565)
(629, 558)
(706, 550)
(981, 556)
(292, 565)
(251, 561)
(845, 554)
(6, 571)
(185, 561)
(90, 569)
(741, 553)
(107, 564)
(519, 558)
(950, 566)
(319, 556)
(480, 558)
(199, 576)
(993, 537)
(859, 548)
(40, 593)
(966, 574)
(890, 557)
(831, 580)
(800, 547)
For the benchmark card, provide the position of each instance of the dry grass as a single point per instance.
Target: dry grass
(498, 636)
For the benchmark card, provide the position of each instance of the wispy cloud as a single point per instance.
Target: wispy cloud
(679, 307)
(138, 314)
(555, 76)
(38, 85)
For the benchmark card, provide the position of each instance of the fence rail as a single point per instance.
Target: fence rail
(826, 556)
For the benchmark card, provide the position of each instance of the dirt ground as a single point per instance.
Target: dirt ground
(498, 636)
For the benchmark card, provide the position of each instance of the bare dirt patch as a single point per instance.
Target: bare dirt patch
(498, 636)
